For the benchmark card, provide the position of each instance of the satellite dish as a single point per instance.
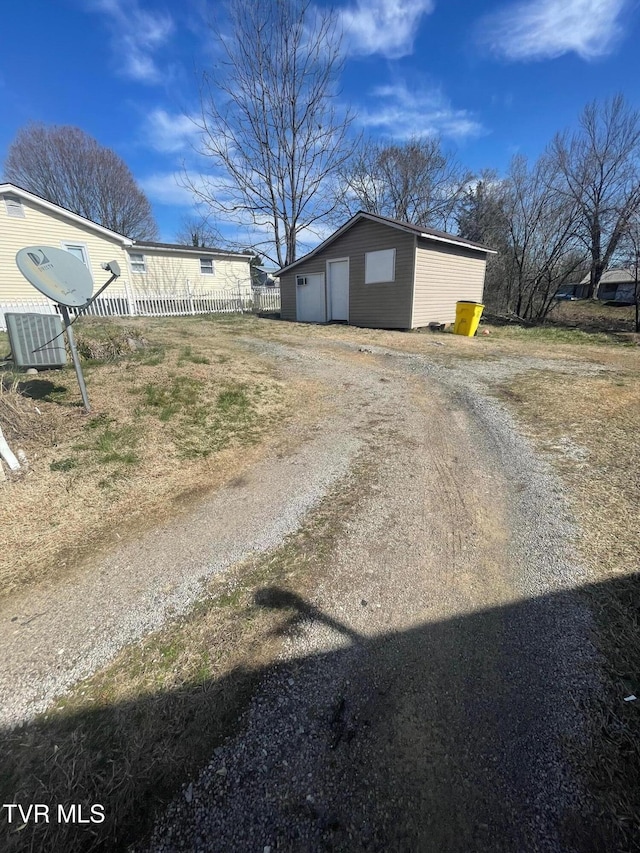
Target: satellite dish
(57, 274)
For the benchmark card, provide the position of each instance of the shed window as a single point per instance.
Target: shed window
(14, 207)
(137, 262)
(301, 280)
(206, 266)
(380, 266)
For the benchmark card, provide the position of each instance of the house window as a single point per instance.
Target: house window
(14, 207)
(78, 251)
(137, 262)
(380, 266)
(206, 266)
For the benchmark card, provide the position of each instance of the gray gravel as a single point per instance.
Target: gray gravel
(435, 716)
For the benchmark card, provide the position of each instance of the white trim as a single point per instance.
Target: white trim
(62, 211)
(327, 284)
(212, 271)
(457, 243)
(382, 280)
(413, 280)
(131, 262)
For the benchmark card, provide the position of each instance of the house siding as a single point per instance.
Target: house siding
(175, 273)
(444, 275)
(167, 272)
(384, 305)
(45, 227)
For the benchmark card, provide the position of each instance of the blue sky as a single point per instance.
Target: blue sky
(493, 77)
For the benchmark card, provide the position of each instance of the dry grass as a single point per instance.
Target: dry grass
(511, 341)
(591, 428)
(130, 735)
(176, 418)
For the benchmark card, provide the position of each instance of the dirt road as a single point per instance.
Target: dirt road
(429, 690)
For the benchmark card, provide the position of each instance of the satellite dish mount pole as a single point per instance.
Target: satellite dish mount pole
(74, 355)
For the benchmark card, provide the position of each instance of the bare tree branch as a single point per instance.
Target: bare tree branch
(271, 125)
(417, 182)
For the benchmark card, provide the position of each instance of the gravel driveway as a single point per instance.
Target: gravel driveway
(426, 700)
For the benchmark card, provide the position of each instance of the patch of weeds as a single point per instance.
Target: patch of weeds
(181, 395)
(112, 443)
(156, 356)
(231, 418)
(233, 401)
(64, 464)
(99, 421)
(115, 444)
(557, 335)
(187, 354)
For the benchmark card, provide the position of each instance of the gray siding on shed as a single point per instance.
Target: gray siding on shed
(384, 305)
(445, 274)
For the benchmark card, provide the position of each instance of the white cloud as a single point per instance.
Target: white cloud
(402, 113)
(136, 34)
(168, 132)
(168, 188)
(385, 27)
(546, 29)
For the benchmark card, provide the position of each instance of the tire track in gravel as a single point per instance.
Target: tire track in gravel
(436, 719)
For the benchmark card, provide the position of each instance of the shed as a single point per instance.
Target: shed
(383, 273)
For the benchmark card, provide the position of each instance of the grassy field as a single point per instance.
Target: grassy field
(177, 407)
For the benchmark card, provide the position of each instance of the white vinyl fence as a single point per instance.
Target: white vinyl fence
(139, 304)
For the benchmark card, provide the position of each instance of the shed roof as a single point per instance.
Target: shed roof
(419, 230)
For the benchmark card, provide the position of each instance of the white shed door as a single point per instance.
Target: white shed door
(310, 298)
(338, 272)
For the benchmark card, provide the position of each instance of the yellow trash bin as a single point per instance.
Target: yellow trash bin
(467, 318)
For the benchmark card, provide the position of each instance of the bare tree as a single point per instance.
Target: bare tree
(597, 169)
(417, 181)
(68, 167)
(545, 251)
(271, 124)
(630, 254)
(199, 232)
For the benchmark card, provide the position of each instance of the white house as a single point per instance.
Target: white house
(152, 273)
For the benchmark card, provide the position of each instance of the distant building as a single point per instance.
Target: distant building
(616, 285)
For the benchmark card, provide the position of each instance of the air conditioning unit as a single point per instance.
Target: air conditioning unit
(36, 340)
